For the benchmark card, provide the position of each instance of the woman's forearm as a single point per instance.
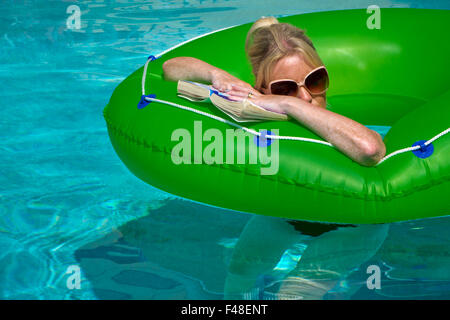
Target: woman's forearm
(188, 68)
(363, 145)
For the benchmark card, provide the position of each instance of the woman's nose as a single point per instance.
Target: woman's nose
(304, 94)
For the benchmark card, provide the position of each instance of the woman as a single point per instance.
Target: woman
(280, 52)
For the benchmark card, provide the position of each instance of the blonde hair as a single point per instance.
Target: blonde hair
(268, 41)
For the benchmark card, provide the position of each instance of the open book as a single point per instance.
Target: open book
(240, 111)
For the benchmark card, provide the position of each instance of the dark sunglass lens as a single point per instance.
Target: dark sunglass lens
(284, 88)
(317, 82)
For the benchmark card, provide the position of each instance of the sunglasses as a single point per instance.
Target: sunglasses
(316, 82)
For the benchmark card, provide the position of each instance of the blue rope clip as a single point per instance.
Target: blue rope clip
(143, 103)
(424, 151)
(262, 140)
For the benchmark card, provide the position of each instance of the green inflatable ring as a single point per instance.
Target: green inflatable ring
(393, 76)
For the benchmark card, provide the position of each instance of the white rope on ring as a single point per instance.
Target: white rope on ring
(254, 132)
(413, 148)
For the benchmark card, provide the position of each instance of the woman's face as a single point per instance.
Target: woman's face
(296, 68)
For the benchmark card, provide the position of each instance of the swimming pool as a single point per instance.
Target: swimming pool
(67, 200)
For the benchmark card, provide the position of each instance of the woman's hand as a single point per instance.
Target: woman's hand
(274, 103)
(223, 81)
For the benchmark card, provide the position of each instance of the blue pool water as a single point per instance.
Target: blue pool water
(67, 200)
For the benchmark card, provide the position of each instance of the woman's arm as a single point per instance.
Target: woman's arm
(188, 68)
(360, 143)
